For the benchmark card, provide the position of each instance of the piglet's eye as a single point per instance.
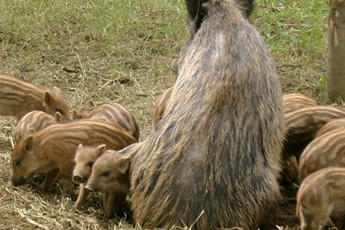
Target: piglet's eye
(105, 173)
(89, 164)
(18, 162)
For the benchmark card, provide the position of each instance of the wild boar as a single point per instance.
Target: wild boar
(214, 159)
(321, 196)
(53, 148)
(84, 158)
(302, 126)
(295, 101)
(336, 124)
(110, 175)
(34, 121)
(325, 151)
(18, 97)
(112, 112)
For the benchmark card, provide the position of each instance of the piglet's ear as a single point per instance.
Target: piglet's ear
(29, 144)
(76, 115)
(48, 99)
(124, 165)
(89, 104)
(80, 146)
(31, 131)
(100, 149)
(57, 116)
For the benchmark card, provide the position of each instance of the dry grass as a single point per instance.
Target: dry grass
(120, 51)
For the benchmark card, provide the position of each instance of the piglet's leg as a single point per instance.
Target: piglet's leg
(82, 195)
(67, 183)
(50, 179)
(67, 186)
(108, 205)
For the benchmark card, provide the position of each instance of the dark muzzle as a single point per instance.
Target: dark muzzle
(17, 181)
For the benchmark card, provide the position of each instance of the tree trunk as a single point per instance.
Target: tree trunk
(336, 50)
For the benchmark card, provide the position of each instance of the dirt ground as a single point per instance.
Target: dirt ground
(14, 202)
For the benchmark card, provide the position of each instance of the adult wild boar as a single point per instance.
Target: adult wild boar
(214, 159)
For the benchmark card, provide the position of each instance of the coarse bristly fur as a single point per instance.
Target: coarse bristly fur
(214, 159)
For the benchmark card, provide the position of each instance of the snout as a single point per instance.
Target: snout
(89, 188)
(91, 185)
(17, 181)
(79, 178)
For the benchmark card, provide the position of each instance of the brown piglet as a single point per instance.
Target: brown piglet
(321, 196)
(32, 122)
(295, 101)
(18, 97)
(85, 157)
(159, 107)
(328, 150)
(303, 124)
(336, 124)
(110, 175)
(112, 112)
(53, 148)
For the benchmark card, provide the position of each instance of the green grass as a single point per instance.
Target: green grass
(296, 33)
(121, 51)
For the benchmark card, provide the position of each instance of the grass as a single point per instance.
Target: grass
(121, 51)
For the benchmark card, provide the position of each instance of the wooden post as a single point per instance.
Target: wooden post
(336, 50)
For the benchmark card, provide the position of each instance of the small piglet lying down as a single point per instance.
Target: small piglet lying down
(110, 175)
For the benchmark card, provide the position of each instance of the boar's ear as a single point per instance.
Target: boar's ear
(124, 165)
(100, 149)
(48, 99)
(29, 144)
(89, 104)
(57, 116)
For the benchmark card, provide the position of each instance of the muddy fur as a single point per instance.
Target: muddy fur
(214, 158)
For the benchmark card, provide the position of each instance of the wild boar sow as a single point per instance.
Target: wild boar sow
(214, 159)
